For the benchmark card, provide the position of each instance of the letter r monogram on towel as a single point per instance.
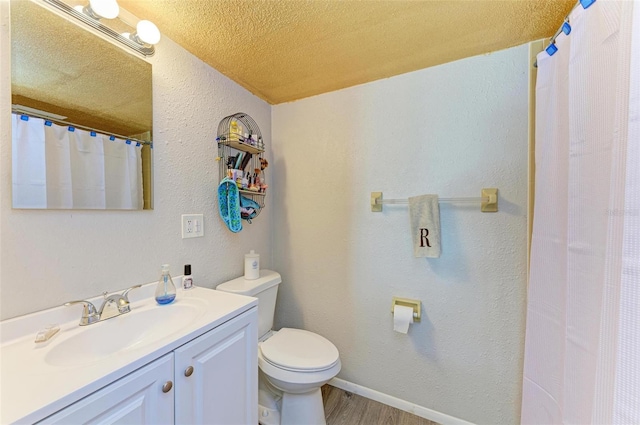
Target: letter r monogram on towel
(423, 238)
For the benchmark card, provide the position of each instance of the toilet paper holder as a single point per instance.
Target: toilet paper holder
(408, 302)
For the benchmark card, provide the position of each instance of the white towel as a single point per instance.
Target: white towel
(424, 213)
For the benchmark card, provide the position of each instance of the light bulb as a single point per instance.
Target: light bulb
(108, 9)
(148, 32)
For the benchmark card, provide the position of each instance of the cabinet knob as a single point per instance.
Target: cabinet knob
(167, 387)
(188, 371)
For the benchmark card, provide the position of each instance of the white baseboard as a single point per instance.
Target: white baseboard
(374, 395)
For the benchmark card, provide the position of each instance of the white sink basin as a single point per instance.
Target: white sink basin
(125, 332)
(41, 379)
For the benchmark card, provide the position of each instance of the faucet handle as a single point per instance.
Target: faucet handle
(89, 312)
(125, 294)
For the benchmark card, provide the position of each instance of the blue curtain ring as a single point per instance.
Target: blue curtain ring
(551, 49)
(586, 3)
(566, 28)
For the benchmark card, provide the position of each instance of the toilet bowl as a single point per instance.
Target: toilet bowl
(293, 363)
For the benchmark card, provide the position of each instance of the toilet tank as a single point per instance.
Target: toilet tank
(265, 288)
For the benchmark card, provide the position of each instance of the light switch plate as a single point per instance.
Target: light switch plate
(192, 226)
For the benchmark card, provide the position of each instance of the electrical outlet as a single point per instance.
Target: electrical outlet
(192, 226)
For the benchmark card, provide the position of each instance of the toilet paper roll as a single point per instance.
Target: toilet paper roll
(402, 318)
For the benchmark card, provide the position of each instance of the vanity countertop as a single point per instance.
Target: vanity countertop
(36, 380)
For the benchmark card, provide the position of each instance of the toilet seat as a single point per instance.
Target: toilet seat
(297, 350)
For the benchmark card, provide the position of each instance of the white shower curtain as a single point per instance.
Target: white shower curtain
(582, 350)
(64, 167)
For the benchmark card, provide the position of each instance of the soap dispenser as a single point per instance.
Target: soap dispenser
(166, 290)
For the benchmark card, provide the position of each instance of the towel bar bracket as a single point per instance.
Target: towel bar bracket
(376, 201)
(491, 205)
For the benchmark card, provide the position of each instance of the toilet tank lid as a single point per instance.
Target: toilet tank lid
(242, 286)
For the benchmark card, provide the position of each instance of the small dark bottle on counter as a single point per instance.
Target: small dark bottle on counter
(187, 280)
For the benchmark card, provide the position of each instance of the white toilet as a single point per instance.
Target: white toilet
(293, 363)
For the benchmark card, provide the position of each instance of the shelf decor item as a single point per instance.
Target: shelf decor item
(241, 157)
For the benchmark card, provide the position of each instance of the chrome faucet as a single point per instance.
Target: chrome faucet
(112, 306)
(89, 313)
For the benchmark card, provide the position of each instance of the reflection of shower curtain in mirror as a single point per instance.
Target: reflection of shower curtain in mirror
(54, 167)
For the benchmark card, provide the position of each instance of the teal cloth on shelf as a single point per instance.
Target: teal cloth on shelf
(229, 204)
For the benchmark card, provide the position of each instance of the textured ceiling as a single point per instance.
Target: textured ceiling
(283, 50)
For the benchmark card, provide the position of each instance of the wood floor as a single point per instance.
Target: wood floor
(344, 408)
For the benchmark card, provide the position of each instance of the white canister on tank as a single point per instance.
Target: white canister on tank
(251, 265)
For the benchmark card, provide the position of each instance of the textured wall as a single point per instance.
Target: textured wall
(451, 130)
(49, 257)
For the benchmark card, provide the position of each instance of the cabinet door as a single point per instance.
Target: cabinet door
(222, 388)
(138, 398)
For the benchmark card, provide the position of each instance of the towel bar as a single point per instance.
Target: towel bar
(488, 200)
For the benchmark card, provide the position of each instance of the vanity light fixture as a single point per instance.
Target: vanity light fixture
(142, 41)
(146, 33)
(98, 9)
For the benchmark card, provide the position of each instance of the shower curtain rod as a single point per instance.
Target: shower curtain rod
(585, 4)
(32, 114)
(566, 19)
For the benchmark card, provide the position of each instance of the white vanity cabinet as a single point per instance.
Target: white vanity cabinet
(212, 380)
(138, 398)
(217, 375)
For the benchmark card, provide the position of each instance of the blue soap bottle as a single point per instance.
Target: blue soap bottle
(166, 290)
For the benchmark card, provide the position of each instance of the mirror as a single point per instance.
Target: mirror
(68, 83)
